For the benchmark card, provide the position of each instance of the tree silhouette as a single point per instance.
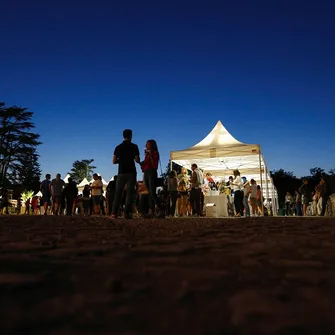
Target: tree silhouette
(17, 143)
(28, 172)
(82, 169)
(285, 181)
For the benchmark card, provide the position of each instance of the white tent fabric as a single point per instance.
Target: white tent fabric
(83, 183)
(220, 153)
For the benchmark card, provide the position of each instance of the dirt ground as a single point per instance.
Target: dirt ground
(81, 275)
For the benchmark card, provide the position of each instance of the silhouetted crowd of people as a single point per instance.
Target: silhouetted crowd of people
(308, 202)
(181, 195)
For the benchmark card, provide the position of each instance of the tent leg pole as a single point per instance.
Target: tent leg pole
(260, 171)
(274, 199)
(266, 182)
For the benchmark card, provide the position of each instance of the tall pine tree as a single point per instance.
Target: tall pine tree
(82, 169)
(28, 172)
(18, 144)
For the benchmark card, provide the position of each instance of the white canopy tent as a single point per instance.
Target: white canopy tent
(82, 184)
(220, 153)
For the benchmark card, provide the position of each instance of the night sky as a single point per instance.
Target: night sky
(170, 70)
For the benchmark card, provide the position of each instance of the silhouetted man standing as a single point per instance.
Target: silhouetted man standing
(125, 154)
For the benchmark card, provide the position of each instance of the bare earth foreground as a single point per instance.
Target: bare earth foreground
(79, 275)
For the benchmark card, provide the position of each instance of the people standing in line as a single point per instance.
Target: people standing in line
(324, 194)
(110, 194)
(288, 204)
(125, 155)
(298, 207)
(27, 204)
(34, 205)
(102, 199)
(143, 199)
(197, 181)
(57, 186)
(38, 211)
(86, 199)
(78, 205)
(315, 199)
(46, 192)
(62, 204)
(71, 193)
(305, 191)
(96, 193)
(149, 167)
(173, 191)
(183, 186)
(237, 187)
(246, 193)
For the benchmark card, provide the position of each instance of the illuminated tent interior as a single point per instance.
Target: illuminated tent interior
(220, 153)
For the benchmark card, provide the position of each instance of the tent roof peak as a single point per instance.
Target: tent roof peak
(219, 135)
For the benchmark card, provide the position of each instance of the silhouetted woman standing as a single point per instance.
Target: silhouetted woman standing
(149, 168)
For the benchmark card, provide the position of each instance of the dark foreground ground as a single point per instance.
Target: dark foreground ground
(80, 275)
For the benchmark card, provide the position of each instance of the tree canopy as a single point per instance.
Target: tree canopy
(82, 169)
(18, 147)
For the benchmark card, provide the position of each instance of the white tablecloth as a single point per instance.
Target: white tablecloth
(220, 201)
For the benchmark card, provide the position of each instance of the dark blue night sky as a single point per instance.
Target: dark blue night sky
(170, 70)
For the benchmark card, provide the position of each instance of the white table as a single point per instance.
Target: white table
(220, 201)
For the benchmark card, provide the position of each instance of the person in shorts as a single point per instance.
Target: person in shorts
(70, 193)
(96, 193)
(305, 191)
(57, 186)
